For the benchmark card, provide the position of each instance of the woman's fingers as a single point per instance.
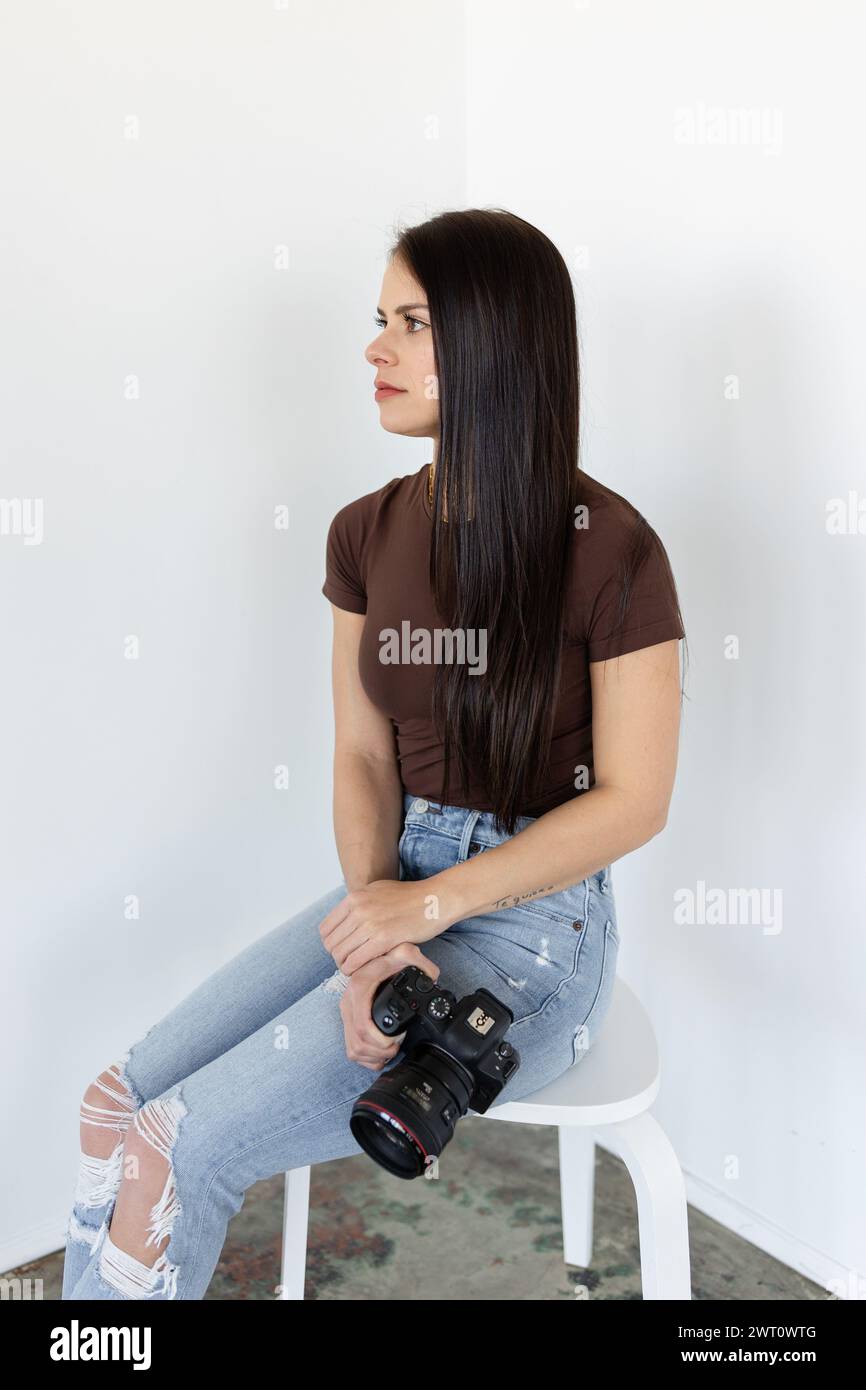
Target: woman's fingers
(375, 1061)
(407, 953)
(365, 1042)
(359, 1049)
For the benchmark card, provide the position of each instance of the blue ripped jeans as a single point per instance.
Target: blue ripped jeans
(248, 1076)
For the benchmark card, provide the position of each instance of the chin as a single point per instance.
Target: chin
(408, 427)
(396, 429)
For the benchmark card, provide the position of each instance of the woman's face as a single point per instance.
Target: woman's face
(403, 357)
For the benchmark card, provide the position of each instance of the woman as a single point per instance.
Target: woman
(506, 695)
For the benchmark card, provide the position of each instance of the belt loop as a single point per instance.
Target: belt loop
(468, 827)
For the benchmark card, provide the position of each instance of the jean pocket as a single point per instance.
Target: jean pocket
(533, 957)
(408, 847)
(600, 901)
(587, 1033)
(570, 906)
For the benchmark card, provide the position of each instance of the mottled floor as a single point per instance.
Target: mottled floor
(488, 1228)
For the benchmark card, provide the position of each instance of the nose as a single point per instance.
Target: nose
(376, 352)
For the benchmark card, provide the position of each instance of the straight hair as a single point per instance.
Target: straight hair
(504, 328)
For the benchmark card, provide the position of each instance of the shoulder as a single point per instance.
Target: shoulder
(609, 531)
(350, 535)
(620, 572)
(606, 522)
(359, 515)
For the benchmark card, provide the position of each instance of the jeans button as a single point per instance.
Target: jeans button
(420, 805)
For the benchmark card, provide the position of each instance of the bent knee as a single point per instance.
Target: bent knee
(109, 1094)
(109, 1090)
(150, 1139)
(148, 1164)
(141, 1161)
(107, 1109)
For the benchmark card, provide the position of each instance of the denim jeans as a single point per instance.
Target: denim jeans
(248, 1076)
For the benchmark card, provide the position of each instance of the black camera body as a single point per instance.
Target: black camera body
(456, 1059)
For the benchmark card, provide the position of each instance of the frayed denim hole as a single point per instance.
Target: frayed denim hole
(126, 1063)
(160, 1124)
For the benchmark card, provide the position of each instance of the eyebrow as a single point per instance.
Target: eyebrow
(401, 308)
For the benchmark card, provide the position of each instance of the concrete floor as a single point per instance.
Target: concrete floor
(488, 1228)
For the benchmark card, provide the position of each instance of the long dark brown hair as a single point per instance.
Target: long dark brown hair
(505, 340)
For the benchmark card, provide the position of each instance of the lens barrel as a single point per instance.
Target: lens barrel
(409, 1113)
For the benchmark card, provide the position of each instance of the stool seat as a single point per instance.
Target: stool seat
(603, 1099)
(616, 1079)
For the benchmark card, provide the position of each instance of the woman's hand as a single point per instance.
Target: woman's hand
(364, 1041)
(372, 920)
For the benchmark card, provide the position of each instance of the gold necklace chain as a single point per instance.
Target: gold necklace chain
(430, 472)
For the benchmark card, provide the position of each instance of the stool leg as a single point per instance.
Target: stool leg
(662, 1212)
(576, 1187)
(296, 1211)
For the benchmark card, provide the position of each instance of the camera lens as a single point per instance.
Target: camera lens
(409, 1113)
(382, 1137)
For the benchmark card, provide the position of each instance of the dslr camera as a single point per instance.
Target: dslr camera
(456, 1059)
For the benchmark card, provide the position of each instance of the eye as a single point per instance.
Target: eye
(419, 323)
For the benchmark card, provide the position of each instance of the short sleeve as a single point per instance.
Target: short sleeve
(344, 580)
(652, 607)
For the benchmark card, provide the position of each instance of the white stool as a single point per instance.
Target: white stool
(604, 1099)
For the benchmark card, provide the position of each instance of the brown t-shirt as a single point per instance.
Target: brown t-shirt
(377, 562)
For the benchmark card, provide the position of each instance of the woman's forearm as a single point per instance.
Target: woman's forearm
(562, 847)
(368, 818)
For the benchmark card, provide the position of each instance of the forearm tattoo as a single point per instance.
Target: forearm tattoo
(515, 898)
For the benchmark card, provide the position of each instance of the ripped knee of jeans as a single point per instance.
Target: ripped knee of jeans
(157, 1123)
(119, 1115)
(99, 1178)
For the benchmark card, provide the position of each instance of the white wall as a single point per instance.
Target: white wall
(306, 127)
(695, 262)
(310, 127)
